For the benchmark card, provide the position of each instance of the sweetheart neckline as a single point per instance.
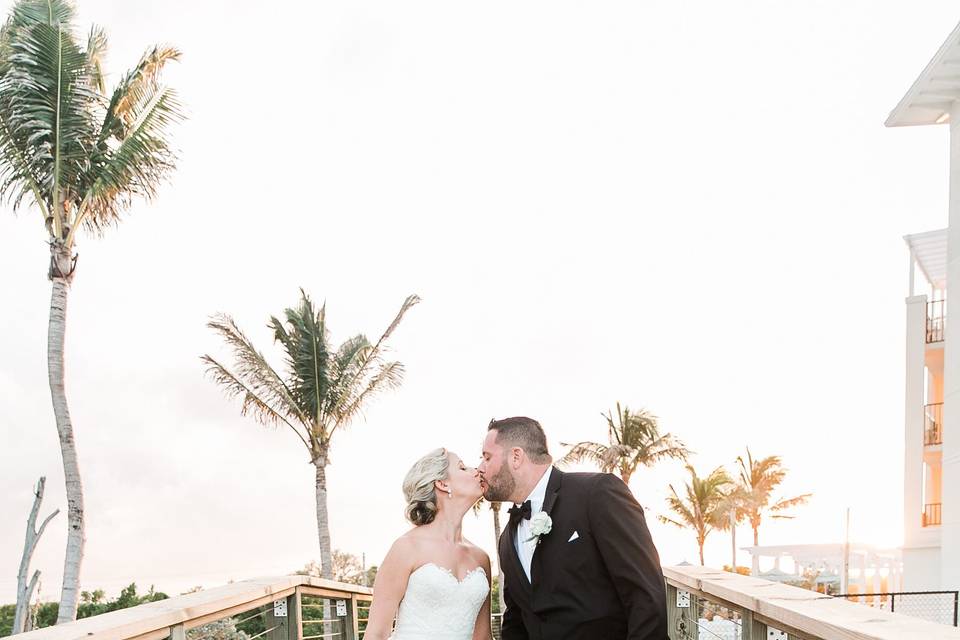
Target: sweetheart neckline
(450, 573)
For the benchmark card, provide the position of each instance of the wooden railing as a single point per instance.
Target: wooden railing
(709, 603)
(278, 608)
(701, 603)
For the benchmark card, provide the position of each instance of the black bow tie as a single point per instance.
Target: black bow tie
(518, 511)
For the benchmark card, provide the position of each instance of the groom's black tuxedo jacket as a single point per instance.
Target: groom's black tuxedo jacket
(604, 585)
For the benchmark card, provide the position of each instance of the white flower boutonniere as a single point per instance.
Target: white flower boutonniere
(540, 525)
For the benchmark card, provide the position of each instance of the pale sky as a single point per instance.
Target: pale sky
(691, 207)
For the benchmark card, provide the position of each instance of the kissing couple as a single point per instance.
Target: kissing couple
(577, 558)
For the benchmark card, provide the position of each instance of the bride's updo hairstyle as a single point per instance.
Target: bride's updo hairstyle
(419, 486)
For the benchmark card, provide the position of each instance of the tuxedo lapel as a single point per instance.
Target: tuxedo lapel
(549, 500)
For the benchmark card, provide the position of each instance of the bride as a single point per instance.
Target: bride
(433, 580)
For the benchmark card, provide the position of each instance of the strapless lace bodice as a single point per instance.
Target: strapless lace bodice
(438, 606)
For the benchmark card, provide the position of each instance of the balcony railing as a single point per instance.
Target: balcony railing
(718, 603)
(931, 514)
(933, 424)
(936, 319)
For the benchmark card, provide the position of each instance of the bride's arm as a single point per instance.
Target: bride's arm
(388, 590)
(482, 630)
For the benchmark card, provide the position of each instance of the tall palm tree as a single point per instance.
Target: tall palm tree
(757, 481)
(80, 156)
(704, 508)
(322, 389)
(633, 440)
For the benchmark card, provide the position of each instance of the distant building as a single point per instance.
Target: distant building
(872, 569)
(931, 501)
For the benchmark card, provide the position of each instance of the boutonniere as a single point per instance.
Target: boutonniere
(540, 525)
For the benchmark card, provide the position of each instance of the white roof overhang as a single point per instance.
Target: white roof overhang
(929, 251)
(932, 95)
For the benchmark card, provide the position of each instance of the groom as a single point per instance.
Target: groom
(576, 555)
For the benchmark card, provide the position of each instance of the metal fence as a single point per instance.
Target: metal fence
(936, 320)
(933, 423)
(936, 606)
(932, 514)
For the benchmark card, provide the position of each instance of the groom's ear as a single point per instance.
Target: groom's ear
(516, 457)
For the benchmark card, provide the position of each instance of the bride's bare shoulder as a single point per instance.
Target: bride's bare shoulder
(412, 542)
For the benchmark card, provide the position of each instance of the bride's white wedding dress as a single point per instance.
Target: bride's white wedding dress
(438, 606)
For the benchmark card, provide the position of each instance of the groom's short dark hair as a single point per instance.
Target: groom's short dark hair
(525, 433)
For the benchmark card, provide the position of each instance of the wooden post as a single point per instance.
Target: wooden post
(278, 627)
(750, 628)
(295, 616)
(177, 632)
(348, 622)
(673, 613)
(355, 616)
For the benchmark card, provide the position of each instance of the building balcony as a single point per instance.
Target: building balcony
(936, 320)
(933, 424)
(932, 514)
(307, 608)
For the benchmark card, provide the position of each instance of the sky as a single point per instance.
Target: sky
(689, 207)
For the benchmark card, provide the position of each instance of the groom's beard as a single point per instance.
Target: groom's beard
(500, 488)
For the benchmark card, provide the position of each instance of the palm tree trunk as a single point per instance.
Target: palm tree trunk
(323, 519)
(496, 545)
(700, 544)
(71, 470)
(755, 562)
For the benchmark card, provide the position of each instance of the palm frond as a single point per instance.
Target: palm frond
(96, 54)
(49, 104)
(307, 347)
(787, 503)
(388, 376)
(252, 404)
(374, 353)
(51, 12)
(255, 372)
(594, 452)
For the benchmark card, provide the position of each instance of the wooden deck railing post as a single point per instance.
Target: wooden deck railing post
(295, 615)
(673, 613)
(349, 619)
(355, 616)
(750, 628)
(177, 632)
(277, 620)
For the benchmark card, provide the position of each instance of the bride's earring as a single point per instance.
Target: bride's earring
(450, 492)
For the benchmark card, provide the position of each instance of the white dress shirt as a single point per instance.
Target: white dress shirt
(525, 547)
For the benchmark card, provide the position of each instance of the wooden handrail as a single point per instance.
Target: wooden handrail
(806, 614)
(155, 619)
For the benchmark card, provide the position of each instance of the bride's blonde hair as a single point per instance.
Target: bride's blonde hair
(419, 487)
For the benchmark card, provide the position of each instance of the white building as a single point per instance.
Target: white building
(931, 549)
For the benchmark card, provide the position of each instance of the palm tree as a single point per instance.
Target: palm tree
(634, 440)
(705, 507)
(80, 156)
(755, 486)
(322, 389)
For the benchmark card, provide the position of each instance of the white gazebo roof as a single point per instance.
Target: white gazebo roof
(929, 99)
(929, 251)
